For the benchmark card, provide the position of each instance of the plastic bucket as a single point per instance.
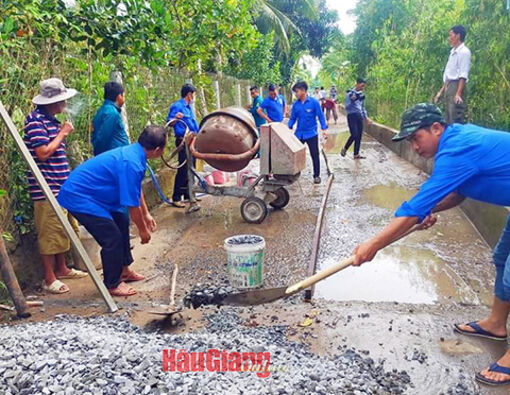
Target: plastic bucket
(245, 260)
(219, 177)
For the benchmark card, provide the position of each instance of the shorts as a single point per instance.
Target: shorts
(51, 236)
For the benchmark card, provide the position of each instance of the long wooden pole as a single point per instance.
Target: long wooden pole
(312, 265)
(54, 204)
(11, 282)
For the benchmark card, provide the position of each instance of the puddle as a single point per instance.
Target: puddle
(387, 196)
(397, 274)
(335, 142)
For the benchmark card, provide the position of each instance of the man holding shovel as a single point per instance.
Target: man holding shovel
(469, 161)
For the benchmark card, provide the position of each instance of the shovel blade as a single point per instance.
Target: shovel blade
(254, 297)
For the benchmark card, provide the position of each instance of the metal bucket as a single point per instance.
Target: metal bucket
(245, 260)
(227, 140)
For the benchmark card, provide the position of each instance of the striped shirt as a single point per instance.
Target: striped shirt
(41, 129)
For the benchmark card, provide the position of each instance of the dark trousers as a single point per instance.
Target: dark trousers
(113, 237)
(313, 146)
(181, 178)
(355, 122)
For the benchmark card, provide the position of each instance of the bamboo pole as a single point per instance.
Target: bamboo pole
(75, 241)
(11, 282)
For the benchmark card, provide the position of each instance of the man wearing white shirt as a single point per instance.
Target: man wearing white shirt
(455, 76)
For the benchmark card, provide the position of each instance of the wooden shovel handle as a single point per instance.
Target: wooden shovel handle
(336, 268)
(319, 276)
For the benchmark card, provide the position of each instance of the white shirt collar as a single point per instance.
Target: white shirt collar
(457, 49)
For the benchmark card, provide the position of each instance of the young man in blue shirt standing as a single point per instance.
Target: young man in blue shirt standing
(255, 106)
(273, 104)
(98, 191)
(109, 131)
(183, 111)
(306, 110)
(469, 161)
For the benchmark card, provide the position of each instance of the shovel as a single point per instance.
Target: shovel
(261, 296)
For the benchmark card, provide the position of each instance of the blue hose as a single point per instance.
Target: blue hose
(158, 188)
(160, 191)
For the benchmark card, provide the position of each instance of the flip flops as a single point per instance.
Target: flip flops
(494, 368)
(55, 287)
(478, 332)
(73, 274)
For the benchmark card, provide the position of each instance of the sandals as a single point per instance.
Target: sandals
(56, 287)
(495, 383)
(478, 332)
(73, 274)
(178, 204)
(132, 276)
(122, 290)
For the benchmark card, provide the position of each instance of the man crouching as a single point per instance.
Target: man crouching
(96, 192)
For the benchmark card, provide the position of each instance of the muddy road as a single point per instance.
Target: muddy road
(398, 309)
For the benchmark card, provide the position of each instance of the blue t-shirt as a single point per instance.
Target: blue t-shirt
(257, 102)
(106, 183)
(181, 106)
(274, 108)
(472, 161)
(306, 114)
(109, 131)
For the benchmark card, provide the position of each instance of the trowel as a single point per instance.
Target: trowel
(261, 296)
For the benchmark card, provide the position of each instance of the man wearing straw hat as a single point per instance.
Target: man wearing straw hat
(45, 138)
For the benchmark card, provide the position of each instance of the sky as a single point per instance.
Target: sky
(347, 23)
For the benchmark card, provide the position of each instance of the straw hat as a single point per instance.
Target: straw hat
(53, 90)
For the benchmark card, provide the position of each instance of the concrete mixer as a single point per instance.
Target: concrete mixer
(228, 141)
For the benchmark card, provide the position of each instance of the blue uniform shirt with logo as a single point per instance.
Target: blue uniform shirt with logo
(274, 108)
(306, 114)
(109, 131)
(472, 161)
(106, 183)
(181, 106)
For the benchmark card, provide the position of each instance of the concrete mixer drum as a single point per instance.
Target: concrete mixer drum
(227, 140)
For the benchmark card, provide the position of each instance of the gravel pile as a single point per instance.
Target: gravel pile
(201, 296)
(110, 356)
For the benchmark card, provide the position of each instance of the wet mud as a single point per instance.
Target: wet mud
(399, 308)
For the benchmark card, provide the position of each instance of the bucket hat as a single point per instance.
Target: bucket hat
(51, 91)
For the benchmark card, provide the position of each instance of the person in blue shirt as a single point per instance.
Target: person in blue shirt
(253, 109)
(356, 115)
(109, 131)
(305, 111)
(273, 105)
(182, 110)
(469, 161)
(99, 189)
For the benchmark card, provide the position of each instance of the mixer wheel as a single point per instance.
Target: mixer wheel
(282, 198)
(253, 210)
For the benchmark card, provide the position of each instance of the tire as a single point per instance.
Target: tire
(253, 210)
(282, 198)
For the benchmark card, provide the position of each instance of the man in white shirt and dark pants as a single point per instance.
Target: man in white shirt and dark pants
(455, 76)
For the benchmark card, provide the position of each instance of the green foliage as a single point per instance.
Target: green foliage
(259, 65)
(401, 47)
